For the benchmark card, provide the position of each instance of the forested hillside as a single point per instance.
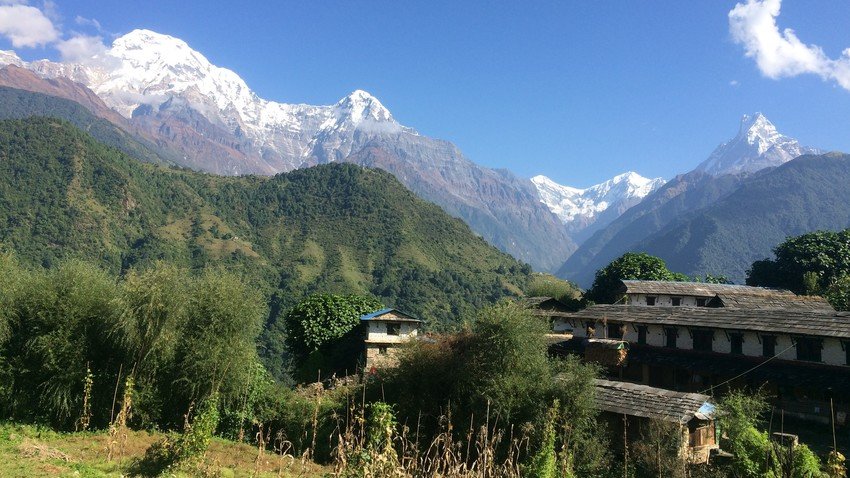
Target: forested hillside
(807, 194)
(337, 228)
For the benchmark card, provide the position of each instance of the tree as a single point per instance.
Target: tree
(629, 266)
(814, 263)
(320, 319)
(217, 349)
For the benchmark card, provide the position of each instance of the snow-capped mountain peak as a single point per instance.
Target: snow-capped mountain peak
(360, 106)
(9, 57)
(758, 145)
(581, 207)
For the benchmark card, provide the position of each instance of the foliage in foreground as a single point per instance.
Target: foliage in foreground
(76, 335)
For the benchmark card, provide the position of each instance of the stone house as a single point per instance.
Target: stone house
(385, 330)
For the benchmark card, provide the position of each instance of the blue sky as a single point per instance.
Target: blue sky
(578, 91)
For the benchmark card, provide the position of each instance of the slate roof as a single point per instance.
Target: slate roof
(816, 323)
(650, 402)
(698, 289)
(773, 301)
(730, 295)
(402, 317)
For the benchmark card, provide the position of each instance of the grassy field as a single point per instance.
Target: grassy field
(28, 451)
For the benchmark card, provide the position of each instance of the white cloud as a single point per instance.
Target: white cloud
(780, 54)
(83, 49)
(88, 22)
(734, 83)
(26, 26)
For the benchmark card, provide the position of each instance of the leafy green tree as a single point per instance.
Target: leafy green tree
(629, 266)
(814, 263)
(499, 367)
(64, 322)
(216, 351)
(320, 319)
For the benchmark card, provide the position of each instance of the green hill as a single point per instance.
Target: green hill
(338, 228)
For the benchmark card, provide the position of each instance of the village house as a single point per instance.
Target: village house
(796, 348)
(692, 414)
(553, 310)
(385, 330)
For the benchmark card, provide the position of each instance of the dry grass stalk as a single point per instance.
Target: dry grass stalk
(118, 427)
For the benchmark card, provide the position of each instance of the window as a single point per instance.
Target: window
(615, 331)
(642, 334)
(677, 301)
(809, 349)
(736, 343)
(382, 350)
(393, 328)
(703, 340)
(672, 334)
(846, 352)
(768, 345)
(701, 302)
(650, 301)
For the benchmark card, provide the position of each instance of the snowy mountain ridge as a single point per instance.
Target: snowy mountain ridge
(572, 204)
(149, 69)
(758, 145)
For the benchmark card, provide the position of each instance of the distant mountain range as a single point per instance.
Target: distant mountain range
(167, 103)
(734, 176)
(206, 118)
(584, 211)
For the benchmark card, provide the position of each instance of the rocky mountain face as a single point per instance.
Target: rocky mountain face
(212, 121)
(584, 211)
(757, 147)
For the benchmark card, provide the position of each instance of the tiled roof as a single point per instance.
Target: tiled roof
(651, 402)
(817, 323)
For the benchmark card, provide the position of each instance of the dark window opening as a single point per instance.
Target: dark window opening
(650, 301)
(703, 340)
(615, 331)
(809, 349)
(642, 334)
(737, 343)
(382, 350)
(677, 301)
(393, 328)
(672, 335)
(701, 302)
(768, 345)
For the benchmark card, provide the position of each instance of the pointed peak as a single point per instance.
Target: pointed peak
(147, 37)
(359, 105)
(756, 121)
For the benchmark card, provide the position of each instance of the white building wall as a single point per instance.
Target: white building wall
(662, 300)
(752, 345)
(377, 331)
(832, 352)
